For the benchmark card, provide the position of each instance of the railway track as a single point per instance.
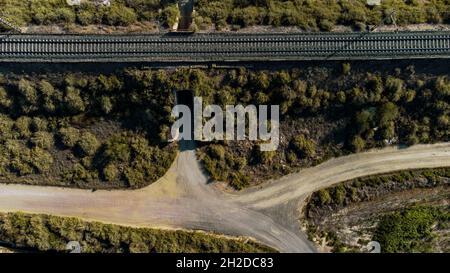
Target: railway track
(223, 47)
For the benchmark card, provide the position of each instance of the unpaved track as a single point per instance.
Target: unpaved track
(183, 198)
(340, 169)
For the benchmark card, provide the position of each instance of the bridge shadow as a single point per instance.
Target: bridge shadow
(187, 145)
(186, 97)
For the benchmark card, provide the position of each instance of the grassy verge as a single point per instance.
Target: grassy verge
(351, 191)
(51, 233)
(308, 15)
(58, 12)
(319, 14)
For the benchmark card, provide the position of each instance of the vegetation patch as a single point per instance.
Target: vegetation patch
(58, 12)
(325, 112)
(319, 14)
(52, 233)
(404, 211)
(85, 130)
(410, 230)
(308, 15)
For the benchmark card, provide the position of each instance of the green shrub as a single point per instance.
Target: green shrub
(303, 146)
(406, 231)
(73, 100)
(110, 172)
(41, 159)
(239, 181)
(78, 173)
(265, 157)
(43, 140)
(216, 151)
(118, 149)
(6, 125)
(87, 144)
(324, 197)
(170, 15)
(346, 68)
(134, 177)
(119, 16)
(22, 126)
(358, 144)
(5, 100)
(69, 136)
(28, 91)
(39, 124)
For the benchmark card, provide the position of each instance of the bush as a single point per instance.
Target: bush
(22, 126)
(69, 136)
(358, 144)
(87, 144)
(217, 152)
(266, 157)
(39, 124)
(134, 177)
(387, 113)
(118, 149)
(28, 91)
(248, 16)
(41, 160)
(74, 102)
(120, 16)
(346, 68)
(324, 197)
(170, 15)
(5, 101)
(110, 172)
(43, 140)
(303, 146)
(406, 231)
(46, 88)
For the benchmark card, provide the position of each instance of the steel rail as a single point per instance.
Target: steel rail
(223, 47)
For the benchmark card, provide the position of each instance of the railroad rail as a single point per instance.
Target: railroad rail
(223, 47)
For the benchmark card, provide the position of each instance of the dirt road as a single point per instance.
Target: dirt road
(183, 198)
